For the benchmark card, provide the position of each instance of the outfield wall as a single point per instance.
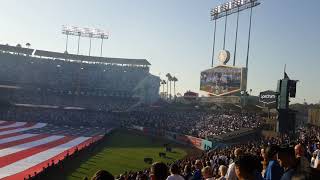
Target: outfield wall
(179, 138)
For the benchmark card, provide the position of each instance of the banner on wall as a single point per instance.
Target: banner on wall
(189, 140)
(179, 138)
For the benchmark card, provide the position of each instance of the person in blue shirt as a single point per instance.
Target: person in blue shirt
(287, 160)
(197, 174)
(274, 171)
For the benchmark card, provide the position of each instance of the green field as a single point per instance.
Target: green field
(125, 151)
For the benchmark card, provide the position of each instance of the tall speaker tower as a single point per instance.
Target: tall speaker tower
(286, 118)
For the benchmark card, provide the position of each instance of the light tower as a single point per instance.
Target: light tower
(91, 33)
(224, 10)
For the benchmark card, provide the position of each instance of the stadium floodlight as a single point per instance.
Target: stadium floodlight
(85, 32)
(232, 7)
(226, 9)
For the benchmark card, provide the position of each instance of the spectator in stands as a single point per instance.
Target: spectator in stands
(102, 175)
(175, 173)
(317, 158)
(264, 161)
(303, 165)
(197, 173)
(245, 168)
(222, 172)
(187, 174)
(207, 173)
(159, 171)
(287, 160)
(313, 159)
(273, 171)
(231, 174)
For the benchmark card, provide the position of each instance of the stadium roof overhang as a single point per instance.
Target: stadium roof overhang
(56, 55)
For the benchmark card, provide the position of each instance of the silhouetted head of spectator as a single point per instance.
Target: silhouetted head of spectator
(263, 153)
(271, 152)
(198, 164)
(174, 169)
(187, 169)
(102, 175)
(238, 152)
(208, 163)
(206, 172)
(287, 157)
(159, 171)
(142, 176)
(222, 170)
(299, 150)
(245, 167)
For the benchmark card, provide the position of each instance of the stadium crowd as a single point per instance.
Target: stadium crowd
(196, 123)
(277, 158)
(57, 116)
(89, 101)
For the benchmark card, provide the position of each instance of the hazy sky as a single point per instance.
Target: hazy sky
(176, 36)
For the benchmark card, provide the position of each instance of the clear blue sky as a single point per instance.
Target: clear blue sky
(176, 36)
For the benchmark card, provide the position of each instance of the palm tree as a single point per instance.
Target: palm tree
(18, 45)
(170, 80)
(28, 45)
(169, 77)
(174, 79)
(163, 83)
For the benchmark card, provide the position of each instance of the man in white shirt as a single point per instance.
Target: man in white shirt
(317, 158)
(175, 171)
(231, 173)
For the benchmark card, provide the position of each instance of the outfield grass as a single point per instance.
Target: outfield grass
(125, 151)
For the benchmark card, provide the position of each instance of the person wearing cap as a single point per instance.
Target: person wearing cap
(287, 160)
(274, 171)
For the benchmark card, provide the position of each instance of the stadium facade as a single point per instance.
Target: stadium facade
(30, 76)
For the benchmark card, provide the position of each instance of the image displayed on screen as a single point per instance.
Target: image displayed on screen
(221, 80)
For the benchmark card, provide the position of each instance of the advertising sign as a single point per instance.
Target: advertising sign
(223, 80)
(268, 97)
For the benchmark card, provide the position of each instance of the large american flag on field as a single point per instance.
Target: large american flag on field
(27, 147)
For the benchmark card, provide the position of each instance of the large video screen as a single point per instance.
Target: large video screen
(221, 80)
